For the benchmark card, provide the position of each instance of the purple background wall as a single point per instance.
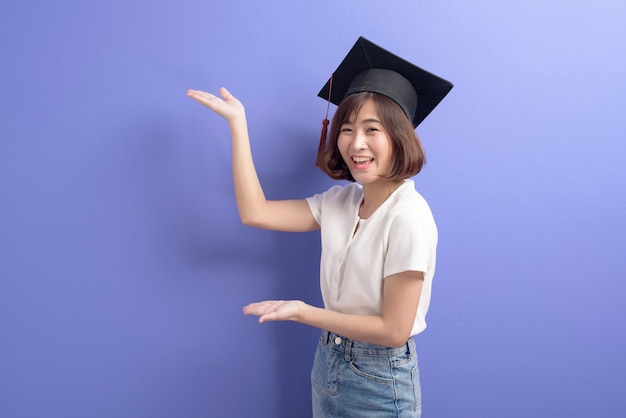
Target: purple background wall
(123, 265)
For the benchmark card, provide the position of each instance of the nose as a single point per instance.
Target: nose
(359, 141)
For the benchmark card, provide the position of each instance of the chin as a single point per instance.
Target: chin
(364, 179)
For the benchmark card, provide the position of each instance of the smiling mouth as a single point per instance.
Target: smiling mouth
(362, 162)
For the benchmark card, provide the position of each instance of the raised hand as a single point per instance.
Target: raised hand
(227, 107)
(275, 310)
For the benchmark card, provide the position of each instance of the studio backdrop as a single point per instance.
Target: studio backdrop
(123, 263)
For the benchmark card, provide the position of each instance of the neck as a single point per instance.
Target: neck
(374, 195)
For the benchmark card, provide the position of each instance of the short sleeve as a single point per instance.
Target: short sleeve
(411, 240)
(316, 202)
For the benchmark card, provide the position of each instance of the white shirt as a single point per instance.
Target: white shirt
(400, 236)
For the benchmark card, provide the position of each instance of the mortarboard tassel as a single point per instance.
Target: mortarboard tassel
(322, 145)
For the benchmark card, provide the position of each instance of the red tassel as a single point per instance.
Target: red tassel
(322, 145)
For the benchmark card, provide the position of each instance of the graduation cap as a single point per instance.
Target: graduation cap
(370, 68)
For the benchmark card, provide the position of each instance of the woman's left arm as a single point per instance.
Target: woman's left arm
(392, 328)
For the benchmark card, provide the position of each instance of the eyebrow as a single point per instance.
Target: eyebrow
(369, 120)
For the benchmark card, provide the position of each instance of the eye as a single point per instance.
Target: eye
(345, 130)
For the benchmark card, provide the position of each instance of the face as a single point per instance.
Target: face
(365, 146)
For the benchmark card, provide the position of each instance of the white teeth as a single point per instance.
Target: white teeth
(361, 159)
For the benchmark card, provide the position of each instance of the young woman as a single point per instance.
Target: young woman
(378, 234)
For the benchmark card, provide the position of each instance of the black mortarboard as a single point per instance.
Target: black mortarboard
(368, 67)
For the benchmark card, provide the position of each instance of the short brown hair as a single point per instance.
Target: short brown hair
(408, 154)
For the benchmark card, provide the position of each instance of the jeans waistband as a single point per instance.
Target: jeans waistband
(349, 346)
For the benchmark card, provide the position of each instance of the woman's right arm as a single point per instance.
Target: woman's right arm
(254, 209)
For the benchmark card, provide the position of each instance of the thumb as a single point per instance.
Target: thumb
(225, 94)
(268, 317)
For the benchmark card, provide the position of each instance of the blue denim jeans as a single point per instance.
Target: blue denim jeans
(355, 379)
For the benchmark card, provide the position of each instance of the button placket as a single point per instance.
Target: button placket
(341, 263)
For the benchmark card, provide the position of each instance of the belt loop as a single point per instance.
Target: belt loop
(411, 347)
(347, 354)
(325, 336)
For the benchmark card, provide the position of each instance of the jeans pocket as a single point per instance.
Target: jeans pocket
(372, 368)
(402, 360)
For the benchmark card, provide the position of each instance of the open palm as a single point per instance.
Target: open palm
(274, 310)
(227, 106)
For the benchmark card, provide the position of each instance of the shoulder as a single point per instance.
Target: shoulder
(410, 209)
(408, 199)
(336, 201)
(351, 192)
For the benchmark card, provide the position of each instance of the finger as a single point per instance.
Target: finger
(191, 92)
(253, 310)
(272, 314)
(201, 96)
(259, 308)
(225, 94)
(267, 317)
(265, 303)
(195, 93)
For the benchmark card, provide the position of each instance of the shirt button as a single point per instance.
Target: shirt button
(338, 341)
(340, 260)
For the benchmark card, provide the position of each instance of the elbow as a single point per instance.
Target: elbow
(397, 338)
(251, 214)
(398, 343)
(249, 222)
(247, 215)
(246, 220)
(249, 219)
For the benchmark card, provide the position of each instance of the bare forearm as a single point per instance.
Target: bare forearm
(367, 328)
(391, 328)
(248, 191)
(254, 209)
